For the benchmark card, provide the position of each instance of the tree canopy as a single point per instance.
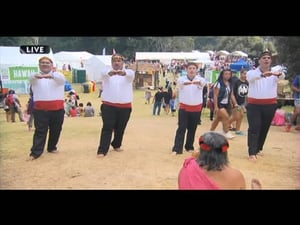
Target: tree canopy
(286, 47)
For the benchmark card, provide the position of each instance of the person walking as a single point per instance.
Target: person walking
(223, 99)
(157, 101)
(48, 94)
(240, 91)
(13, 102)
(116, 107)
(148, 95)
(262, 103)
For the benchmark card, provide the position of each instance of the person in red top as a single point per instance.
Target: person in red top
(262, 103)
(209, 169)
(48, 94)
(116, 107)
(73, 111)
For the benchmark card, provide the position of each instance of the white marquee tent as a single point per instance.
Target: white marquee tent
(74, 59)
(239, 53)
(12, 56)
(95, 64)
(166, 57)
(223, 52)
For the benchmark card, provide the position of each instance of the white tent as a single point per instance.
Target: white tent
(12, 56)
(210, 52)
(15, 68)
(166, 57)
(223, 52)
(74, 59)
(204, 62)
(95, 64)
(239, 53)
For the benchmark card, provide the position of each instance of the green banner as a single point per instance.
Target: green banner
(21, 72)
(211, 75)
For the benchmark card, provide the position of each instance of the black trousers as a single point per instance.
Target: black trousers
(114, 122)
(44, 121)
(187, 121)
(259, 121)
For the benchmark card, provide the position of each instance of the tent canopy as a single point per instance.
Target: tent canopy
(74, 59)
(223, 52)
(241, 64)
(166, 57)
(16, 67)
(11, 56)
(95, 64)
(239, 53)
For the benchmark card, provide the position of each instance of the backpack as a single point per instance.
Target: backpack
(10, 100)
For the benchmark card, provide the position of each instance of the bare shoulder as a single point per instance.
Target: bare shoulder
(237, 177)
(228, 178)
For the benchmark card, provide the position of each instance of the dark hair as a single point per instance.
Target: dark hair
(213, 151)
(221, 75)
(11, 91)
(243, 70)
(192, 64)
(265, 53)
(223, 86)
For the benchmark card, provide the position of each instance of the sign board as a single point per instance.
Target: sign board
(211, 75)
(21, 72)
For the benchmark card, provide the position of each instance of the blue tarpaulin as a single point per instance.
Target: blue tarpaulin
(241, 64)
(68, 86)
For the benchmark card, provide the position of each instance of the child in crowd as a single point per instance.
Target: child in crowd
(89, 110)
(80, 109)
(73, 111)
(148, 95)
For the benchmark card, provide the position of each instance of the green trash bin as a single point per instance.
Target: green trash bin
(79, 75)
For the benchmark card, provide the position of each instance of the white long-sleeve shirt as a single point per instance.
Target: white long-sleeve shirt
(48, 93)
(117, 89)
(262, 90)
(191, 94)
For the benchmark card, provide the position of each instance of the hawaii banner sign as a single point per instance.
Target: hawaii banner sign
(21, 72)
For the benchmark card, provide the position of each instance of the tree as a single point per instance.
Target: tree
(13, 41)
(289, 53)
(252, 45)
(205, 43)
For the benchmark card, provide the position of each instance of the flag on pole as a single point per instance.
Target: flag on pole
(103, 51)
(114, 51)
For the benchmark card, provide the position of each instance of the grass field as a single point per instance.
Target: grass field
(146, 162)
